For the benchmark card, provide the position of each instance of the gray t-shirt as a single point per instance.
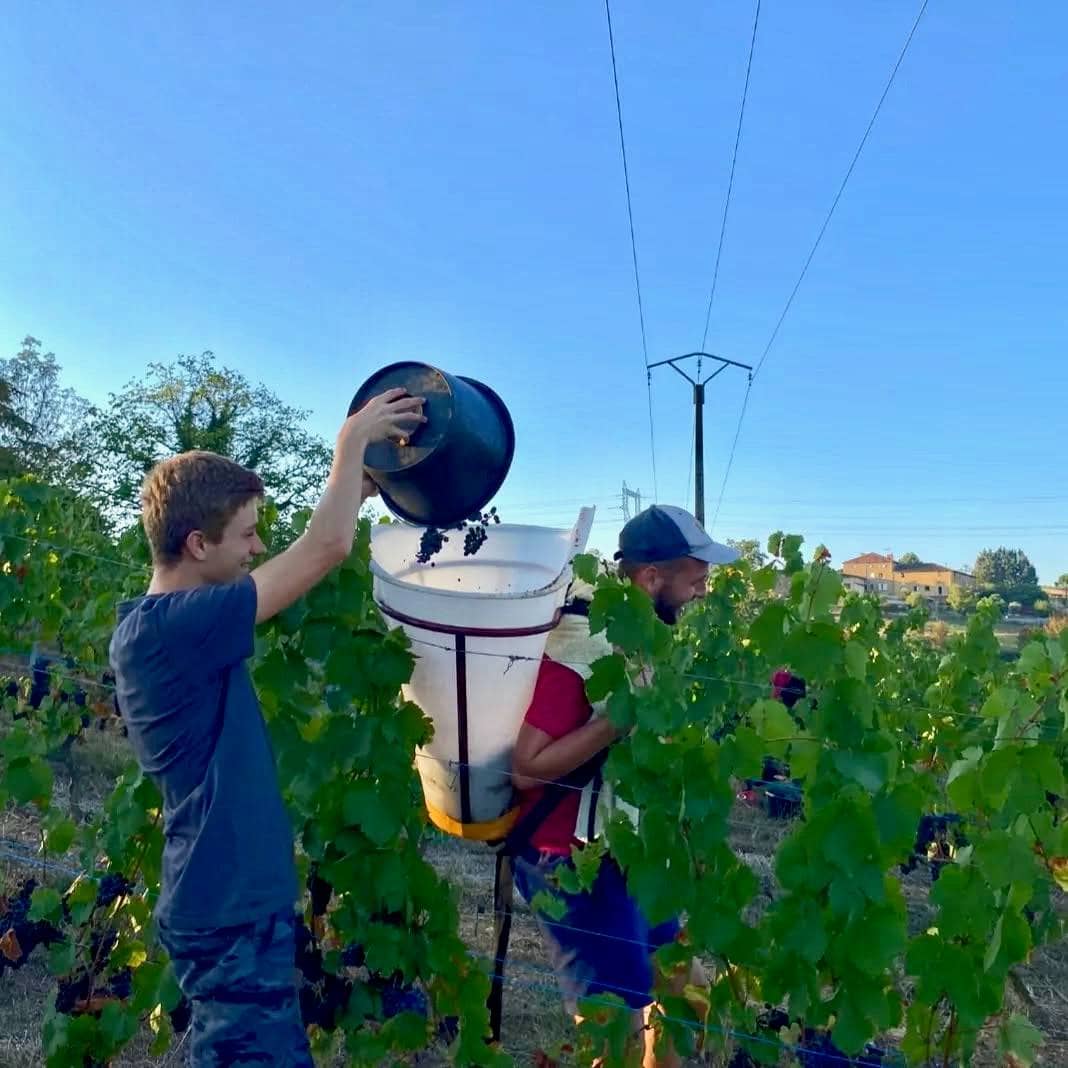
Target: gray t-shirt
(228, 852)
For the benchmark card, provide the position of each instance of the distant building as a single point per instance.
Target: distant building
(1057, 597)
(889, 578)
(854, 583)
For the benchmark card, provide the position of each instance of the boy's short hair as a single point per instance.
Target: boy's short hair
(195, 490)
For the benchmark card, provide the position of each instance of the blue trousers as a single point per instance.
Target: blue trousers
(241, 982)
(603, 944)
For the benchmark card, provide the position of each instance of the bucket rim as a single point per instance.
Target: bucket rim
(578, 534)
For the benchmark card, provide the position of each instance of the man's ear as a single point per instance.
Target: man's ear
(196, 544)
(649, 578)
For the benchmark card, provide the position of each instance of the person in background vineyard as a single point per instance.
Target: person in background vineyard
(226, 907)
(603, 944)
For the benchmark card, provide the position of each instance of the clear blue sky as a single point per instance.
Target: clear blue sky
(314, 194)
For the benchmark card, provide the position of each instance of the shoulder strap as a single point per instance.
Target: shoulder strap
(553, 794)
(502, 884)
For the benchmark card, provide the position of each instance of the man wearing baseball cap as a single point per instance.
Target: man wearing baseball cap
(666, 552)
(603, 944)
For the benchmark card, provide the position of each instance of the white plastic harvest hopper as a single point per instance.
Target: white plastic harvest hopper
(502, 601)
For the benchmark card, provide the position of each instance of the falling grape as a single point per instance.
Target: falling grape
(475, 530)
(430, 544)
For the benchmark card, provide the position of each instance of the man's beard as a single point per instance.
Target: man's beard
(666, 612)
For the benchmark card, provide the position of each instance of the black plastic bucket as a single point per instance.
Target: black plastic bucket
(453, 463)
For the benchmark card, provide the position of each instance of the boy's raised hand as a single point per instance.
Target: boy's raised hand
(393, 414)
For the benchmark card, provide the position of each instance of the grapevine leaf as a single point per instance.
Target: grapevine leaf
(407, 1031)
(82, 900)
(160, 1023)
(768, 630)
(851, 1027)
(1005, 859)
(869, 770)
(1010, 942)
(773, 722)
(585, 567)
(117, 1024)
(61, 957)
(60, 836)
(1019, 1041)
(825, 587)
(363, 806)
(28, 779)
(856, 659)
(170, 993)
(587, 863)
(743, 753)
(963, 784)
(897, 815)
(806, 933)
(999, 703)
(548, 904)
(46, 904)
(607, 675)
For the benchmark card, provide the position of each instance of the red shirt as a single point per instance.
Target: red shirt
(558, 707)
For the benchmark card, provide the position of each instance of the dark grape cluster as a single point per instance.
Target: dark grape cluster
(430, 544)
(938, 837)
(19, 935)
(474, 530)
(814, 1048)
(181, 1016)
(70, 691)
(112, 887)
(398, 996)
(320, 891)
(324, 996)
(474, 538)
(81, 993)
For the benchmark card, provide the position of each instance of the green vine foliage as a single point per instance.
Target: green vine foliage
(890, 730)
(329, 675)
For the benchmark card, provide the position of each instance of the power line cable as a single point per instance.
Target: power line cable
(633, 246)
(841, 188)
(730, 458)
(730, 181)
(816, 243)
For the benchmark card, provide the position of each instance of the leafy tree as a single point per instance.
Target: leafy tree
(961, 599)
(909, 558)
(10, 425)
(1004, 567)
(915, 599)
(750, 550)
(1025, 595)
(44, 419)
(195, 404)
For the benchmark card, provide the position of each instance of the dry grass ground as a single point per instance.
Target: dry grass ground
(534, 1019)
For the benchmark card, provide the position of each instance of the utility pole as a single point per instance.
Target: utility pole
(698, 385)
(628, 496)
